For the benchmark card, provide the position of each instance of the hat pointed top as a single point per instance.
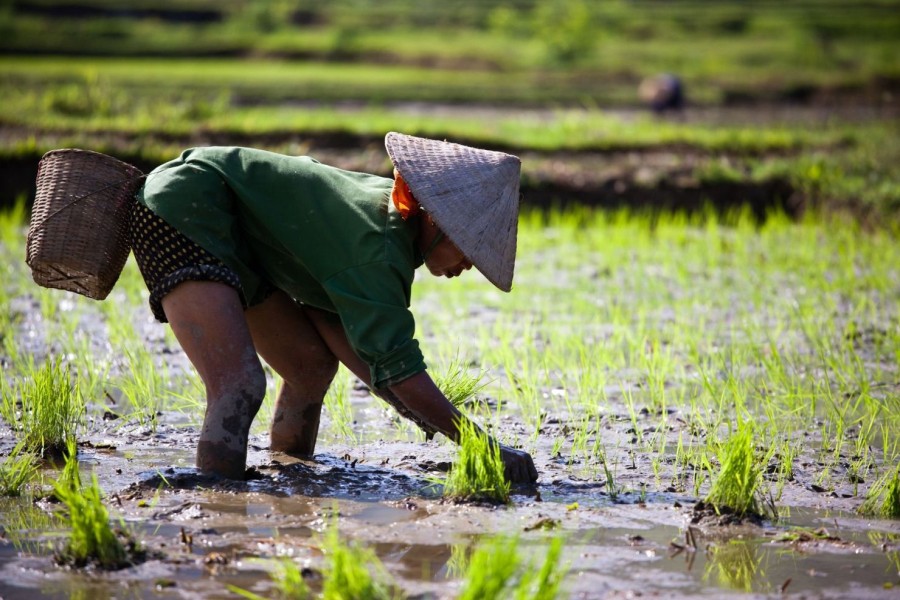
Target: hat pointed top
(472, 195)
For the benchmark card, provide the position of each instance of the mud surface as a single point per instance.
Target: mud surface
(204, 533)
(641, 534)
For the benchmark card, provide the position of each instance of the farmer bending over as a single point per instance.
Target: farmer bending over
(250, 254)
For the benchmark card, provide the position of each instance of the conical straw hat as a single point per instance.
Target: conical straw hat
(472, 195)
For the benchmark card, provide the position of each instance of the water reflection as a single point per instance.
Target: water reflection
(26, 526)
(734, 564)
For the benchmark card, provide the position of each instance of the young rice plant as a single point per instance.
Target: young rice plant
(736, 484)
(347, 572)
(478, 471)
(92, 541)
(51, 410)
(496, 571)
(17, 471)
(883, 499)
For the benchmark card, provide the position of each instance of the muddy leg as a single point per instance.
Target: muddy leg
(290, 344)
(208, 321)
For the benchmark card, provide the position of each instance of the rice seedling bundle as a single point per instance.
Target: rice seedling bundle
(497, 571)
(347, 571)
(883, 499)
(492, 566)
(16, 472)
(51, 410)
(477, 473)
(458, 385)
(91, 539)
(735, 486)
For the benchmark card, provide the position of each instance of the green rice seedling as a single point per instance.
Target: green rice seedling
(337, 403)
(289, 583)
(496, 570)
(91, 541)
(347, 571)
(735, 486)
(17, 471)
(458, 385)
(144, 387)
(477, 473)
(612, 488)
(883, 498)
(633, 414)
(556, 448)
(12, 225)
(491, 569)
(658, 365)
(545, 583)
(51, 409)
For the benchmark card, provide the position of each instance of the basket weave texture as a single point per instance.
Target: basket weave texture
(78, 235)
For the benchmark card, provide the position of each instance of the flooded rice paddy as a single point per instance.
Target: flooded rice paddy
(628, 353)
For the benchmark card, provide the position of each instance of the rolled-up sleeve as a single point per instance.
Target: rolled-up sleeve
(372, 301)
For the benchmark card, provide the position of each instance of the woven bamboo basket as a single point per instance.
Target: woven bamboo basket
(78, 236)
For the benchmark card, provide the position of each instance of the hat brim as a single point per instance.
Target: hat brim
(472, 195)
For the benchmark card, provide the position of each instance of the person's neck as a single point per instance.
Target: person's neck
(430, 235)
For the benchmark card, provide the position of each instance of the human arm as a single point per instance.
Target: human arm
(421, 396)
(418, 395)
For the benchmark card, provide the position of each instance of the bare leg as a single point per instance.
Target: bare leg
(332, 335)
(290, 344)
(208, 321)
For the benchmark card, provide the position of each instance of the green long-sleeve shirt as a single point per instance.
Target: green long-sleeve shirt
(329, 238)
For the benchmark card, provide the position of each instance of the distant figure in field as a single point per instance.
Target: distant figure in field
(662, 93)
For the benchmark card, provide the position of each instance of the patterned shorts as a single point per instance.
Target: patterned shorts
(167, 258)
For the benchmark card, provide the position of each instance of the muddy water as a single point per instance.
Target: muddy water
(206, 533)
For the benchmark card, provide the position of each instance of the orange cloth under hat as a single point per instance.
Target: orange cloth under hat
(402, 197)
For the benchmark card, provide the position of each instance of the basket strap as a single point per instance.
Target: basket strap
(88, 195)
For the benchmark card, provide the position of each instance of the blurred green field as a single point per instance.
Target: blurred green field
(724, 51)
(556, 80)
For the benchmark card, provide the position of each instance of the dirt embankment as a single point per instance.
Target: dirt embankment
(660, 178)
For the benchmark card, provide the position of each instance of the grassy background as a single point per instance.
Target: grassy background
(146, 81)
(576, 49)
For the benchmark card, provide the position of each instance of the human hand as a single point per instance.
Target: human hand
(519, 465)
